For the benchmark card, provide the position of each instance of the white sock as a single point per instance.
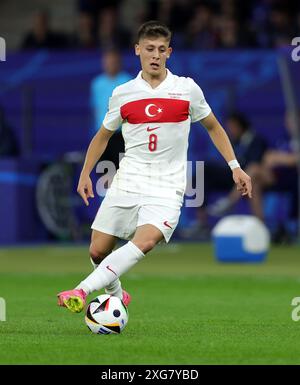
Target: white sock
(115, 288)
(113, 266)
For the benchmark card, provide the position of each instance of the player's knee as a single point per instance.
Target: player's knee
(145, 246)
(96, 255)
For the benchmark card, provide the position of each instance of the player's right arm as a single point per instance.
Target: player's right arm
(95, 150)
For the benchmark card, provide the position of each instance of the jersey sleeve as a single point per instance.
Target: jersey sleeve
(113, 118)
(199, 108)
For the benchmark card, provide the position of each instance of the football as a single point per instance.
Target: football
(106, 314)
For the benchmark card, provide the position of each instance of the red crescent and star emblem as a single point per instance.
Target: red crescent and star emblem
(152, 110)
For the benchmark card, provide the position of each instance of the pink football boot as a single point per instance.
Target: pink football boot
(74, 300)
(126, 298)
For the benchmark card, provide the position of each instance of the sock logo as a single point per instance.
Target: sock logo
(108, 268)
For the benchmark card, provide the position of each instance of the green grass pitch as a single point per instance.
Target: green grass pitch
(186, 309)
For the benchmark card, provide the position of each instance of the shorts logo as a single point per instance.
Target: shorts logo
(108, 268)
(167, 224)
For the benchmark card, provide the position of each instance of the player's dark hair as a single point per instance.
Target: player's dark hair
(154, 29)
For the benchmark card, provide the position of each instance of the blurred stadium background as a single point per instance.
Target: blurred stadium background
(239, 52)
(61, 65)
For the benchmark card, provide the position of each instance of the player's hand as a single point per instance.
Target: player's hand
(85, 188)
(242, 181)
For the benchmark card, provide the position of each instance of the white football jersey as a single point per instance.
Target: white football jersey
(155, 126)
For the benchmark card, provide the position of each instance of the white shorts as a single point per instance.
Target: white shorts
(122, 212)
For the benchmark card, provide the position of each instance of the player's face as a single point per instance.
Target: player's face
(153, 54)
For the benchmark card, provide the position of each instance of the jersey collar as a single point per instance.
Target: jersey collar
(144, 84)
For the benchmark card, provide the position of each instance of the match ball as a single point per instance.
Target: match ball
(106, 314)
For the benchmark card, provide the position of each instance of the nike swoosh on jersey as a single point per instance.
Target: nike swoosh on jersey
(152, 129)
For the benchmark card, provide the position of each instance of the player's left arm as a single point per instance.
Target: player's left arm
(220, 139)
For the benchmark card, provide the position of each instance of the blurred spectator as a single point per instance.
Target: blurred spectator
(41, 35)
(103, 85)
(280, 27)
(229, 8)
(200, 33)
(85, 34)
(109, 32)
(101, 89)
(274, 22)
(175, 13)
(196, 24)
(8, 143)
(229, 36)
(249, 148)
(233, 35)
(259, 15)
(278, 170)
(94, 6)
